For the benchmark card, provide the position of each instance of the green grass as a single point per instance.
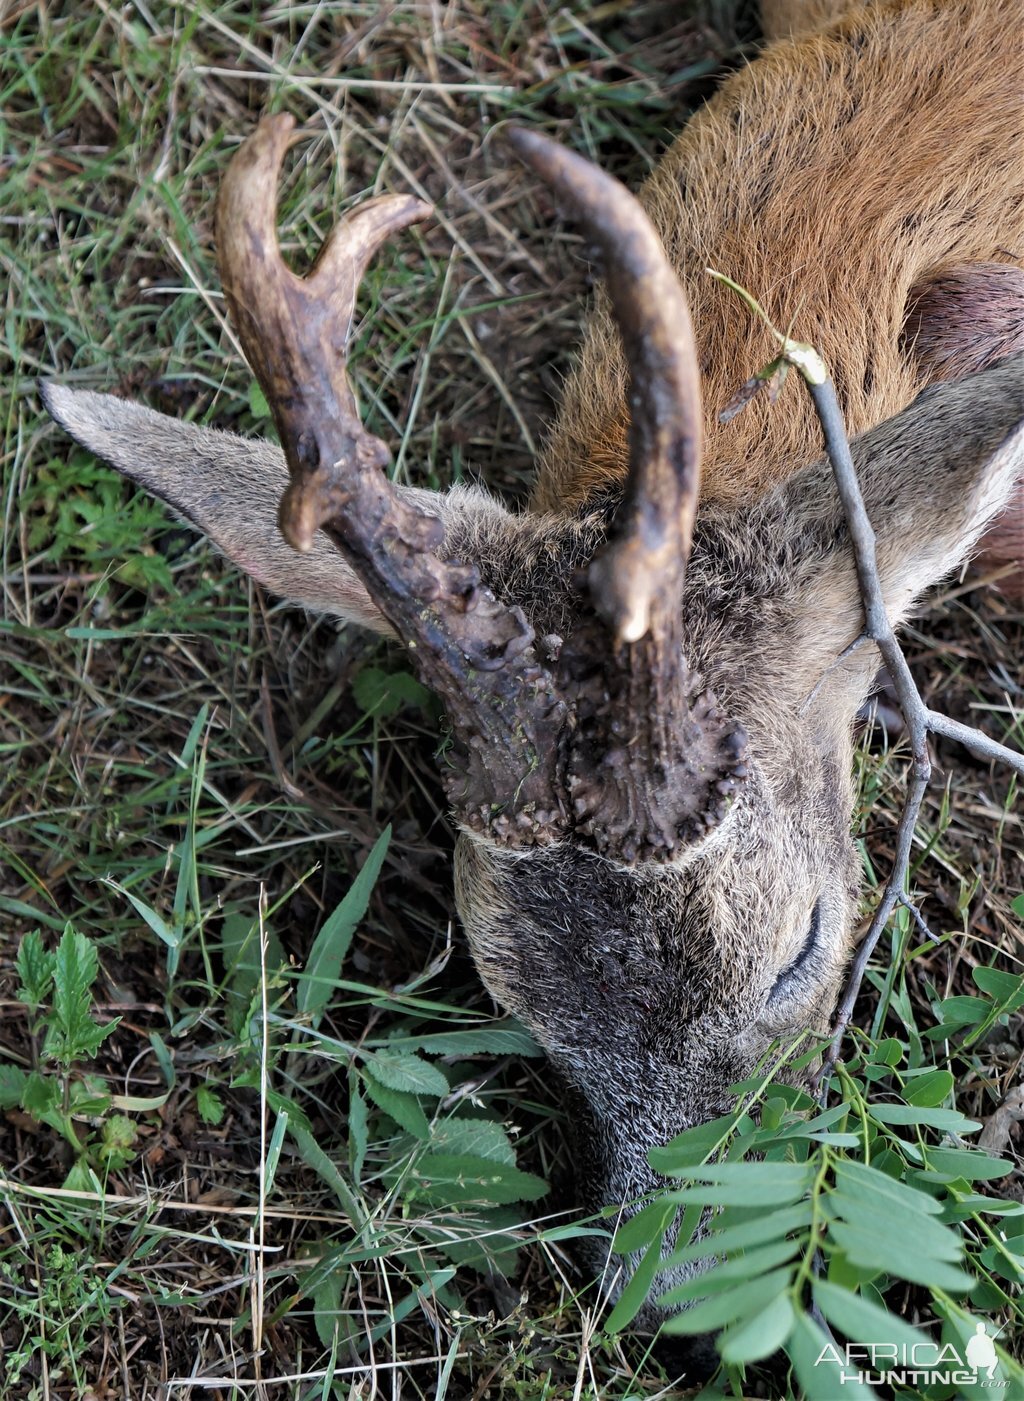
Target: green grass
(194, 776)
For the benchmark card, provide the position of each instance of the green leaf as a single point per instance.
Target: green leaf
(888, 1052)
(868, 1184)
(773, 1225)
(140, 1104)
(711, 1194)
(34, 966)
(930, 1237)
(847, 1275)
(637, 1287)
(491, 1244)
(209, 1104)
(245, 961)
(405, 1109)
(328, 1318)
(13, 1082)
(40, 1095)
(742, 1302)
(746, 1265)
(862, 1320)
(314, 1157)
(1007, 988)
(163, 1058)
(749, 1184)
(814, 1130)
(761, 1335)
(81, 1178)
(117, 1141)
(969, 1163)
(453, 1179)
(88, 1095)
(323, 967)
(274, 1147)
(648, 1224)
(72, 1034)
(897, 1256)
(163, 931)
(477, 1138)
(258, 406)
(961, 1011)
(690, 1147)
(821, 1376)
(1017, 906)
(899, 1114)
(508, 1040)
(406, 1072)
(929, 1089)
(789, 1177)
(381, 693)
(990, 1206)
(359, 1131)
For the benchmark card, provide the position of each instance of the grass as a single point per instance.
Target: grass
(194, 776)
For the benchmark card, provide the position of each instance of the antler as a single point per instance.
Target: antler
(655, 760)
(295, 330)
(295, 334)
(637, 579)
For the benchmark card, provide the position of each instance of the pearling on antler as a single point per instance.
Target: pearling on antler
(630, 750)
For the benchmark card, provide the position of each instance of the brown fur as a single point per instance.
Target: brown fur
(804, 181)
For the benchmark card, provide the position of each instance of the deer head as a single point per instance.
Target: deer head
(650, 730)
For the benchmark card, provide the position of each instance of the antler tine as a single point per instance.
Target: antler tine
(654, 760)
(295, 330)
(638, 577)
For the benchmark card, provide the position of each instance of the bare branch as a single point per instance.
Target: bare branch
(920, 720)
(978, 743)
(919, 919)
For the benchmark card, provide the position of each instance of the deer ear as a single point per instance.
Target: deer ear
(933, 477)
(226, 486)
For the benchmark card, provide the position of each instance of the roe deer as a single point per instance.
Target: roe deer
(654, 867)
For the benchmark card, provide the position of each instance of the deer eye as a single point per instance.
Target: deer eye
(784, 982)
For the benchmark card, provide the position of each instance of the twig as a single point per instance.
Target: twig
(919, 919)
(920, 721)
(836, 661)
(975, 741)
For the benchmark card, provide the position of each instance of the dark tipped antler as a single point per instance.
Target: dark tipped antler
(636, 581)
(654, 760)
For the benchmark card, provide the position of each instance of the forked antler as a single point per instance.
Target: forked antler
(295, 330)
(295, 334)
(627, 749)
